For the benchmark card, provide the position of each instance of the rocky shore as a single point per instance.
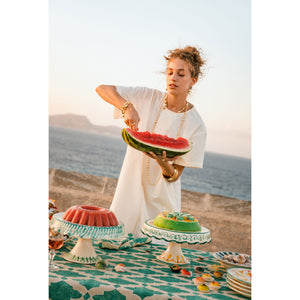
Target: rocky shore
(228, 219)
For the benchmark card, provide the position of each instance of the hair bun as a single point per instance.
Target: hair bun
(191, 55)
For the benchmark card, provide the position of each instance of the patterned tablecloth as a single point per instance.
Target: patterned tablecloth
(145, 277)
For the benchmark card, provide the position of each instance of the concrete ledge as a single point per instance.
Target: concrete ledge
(228, 219)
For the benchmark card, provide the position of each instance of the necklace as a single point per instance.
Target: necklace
(184, 108)
(163, 106)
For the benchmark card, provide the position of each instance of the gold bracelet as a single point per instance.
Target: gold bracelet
(174, 176)
(124, 107)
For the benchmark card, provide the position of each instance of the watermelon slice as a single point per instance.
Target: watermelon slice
(146, 142)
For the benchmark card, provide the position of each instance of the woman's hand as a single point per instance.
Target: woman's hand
(109, 94)
(162, 160)
(131, 117)
(166, 168)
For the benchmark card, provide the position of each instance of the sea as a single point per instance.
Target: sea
(102, 155)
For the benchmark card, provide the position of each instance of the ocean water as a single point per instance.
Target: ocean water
(101, 155)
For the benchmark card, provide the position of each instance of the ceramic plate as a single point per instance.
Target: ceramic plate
(238, 283)
(240, 274)
(238, 290)
(221, 254)
(244, 288)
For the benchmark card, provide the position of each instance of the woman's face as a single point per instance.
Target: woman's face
(179, 78)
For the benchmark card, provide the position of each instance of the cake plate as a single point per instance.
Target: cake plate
(84, 252)
(173, 254)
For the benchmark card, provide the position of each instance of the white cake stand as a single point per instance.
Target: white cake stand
(84, 252)
(173, 254)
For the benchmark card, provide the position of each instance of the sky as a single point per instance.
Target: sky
(94, 42)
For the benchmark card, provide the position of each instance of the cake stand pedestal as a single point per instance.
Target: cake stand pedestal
(173, 254)
(83, 252)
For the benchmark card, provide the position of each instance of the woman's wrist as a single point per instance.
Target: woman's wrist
(173, 177)
(124, 107)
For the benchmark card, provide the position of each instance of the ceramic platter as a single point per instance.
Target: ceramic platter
(220, 256)
(239, 280)
(237, 285)
(238, 290)
(240, 274)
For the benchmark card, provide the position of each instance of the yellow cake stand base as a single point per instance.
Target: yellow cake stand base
(173, 255)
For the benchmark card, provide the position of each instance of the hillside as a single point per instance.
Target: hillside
(82, 123)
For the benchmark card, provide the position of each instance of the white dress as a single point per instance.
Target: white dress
(136, 200)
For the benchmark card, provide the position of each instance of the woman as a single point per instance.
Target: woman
(149, 184)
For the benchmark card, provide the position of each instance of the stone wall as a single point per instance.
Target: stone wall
(228, 219)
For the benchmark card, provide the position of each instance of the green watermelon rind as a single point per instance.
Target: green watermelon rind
(141, 146)
(176, 225)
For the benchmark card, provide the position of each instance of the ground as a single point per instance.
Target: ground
(228, 219)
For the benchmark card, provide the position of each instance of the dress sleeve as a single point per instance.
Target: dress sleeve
(135, 95)
(195, 158)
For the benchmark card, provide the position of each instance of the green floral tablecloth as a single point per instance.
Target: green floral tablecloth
(145, 277)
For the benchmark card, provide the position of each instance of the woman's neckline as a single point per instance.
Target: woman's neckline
(174, 112)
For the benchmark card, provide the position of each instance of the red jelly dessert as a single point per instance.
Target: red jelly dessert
(91, 216)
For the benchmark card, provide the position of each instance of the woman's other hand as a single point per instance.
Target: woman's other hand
(161, 159)
(166, 167)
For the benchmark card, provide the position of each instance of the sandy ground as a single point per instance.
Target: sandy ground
(228, 219)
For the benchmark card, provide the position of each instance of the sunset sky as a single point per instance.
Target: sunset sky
(123, 43)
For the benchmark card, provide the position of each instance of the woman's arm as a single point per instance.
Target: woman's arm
(109, 94)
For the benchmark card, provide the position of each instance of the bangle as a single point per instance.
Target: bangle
(174, 176)
(124, 107)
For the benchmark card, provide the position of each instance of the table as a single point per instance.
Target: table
(145, 277)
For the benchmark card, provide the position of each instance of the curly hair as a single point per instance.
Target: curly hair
(192, 56)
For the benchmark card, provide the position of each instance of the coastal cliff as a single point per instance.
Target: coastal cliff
(228, 219)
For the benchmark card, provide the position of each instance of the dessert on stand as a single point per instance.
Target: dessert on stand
(83, 251)
(175, 237)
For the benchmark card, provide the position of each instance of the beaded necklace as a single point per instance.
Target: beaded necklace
(164, 106)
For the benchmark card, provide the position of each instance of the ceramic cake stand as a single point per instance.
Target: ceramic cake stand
(84, 252)
(173, 254)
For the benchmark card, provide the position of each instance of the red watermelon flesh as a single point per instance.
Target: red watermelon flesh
(160, 140)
